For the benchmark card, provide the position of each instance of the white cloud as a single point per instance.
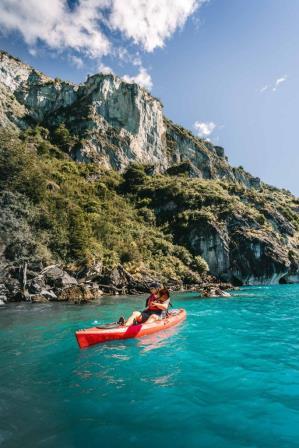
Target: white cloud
(56, 25)
(263, 89)
(274, 86)
(143, 78)
(204, 129)
(278, 82)
(76, 61)
(125, 56)
(105, 69)
(150, 23)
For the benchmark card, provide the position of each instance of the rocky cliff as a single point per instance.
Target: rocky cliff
(181, 190)
(112, 122)
(247, 236)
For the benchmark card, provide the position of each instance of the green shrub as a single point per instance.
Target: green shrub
(63, 138)
(201, 265)
(19, 168)
(133, 177)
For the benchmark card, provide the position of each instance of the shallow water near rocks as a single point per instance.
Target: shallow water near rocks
(227, 377)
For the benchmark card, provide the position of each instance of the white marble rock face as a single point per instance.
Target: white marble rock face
(119, 122)
(112, 103)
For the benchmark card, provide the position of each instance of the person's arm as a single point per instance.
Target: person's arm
(149, 301)
(162, 306)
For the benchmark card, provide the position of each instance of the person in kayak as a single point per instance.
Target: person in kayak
(156, 307)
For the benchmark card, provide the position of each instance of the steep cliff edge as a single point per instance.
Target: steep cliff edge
(112, 122)
(149, 196)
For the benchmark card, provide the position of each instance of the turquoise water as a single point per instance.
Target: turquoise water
(227, 377)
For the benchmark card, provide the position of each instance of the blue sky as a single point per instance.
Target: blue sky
(226, 69)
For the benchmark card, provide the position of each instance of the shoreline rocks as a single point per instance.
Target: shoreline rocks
(38, 284)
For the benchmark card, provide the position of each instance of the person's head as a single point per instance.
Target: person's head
(163, 292)
(154, 288)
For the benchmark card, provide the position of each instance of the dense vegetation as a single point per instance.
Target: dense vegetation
(193, 209)
(211, 200)
(57, 210)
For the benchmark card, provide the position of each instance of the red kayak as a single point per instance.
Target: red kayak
(94, 335)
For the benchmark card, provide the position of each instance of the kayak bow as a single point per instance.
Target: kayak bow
(95, 335)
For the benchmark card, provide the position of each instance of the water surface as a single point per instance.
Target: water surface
(227, 377)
